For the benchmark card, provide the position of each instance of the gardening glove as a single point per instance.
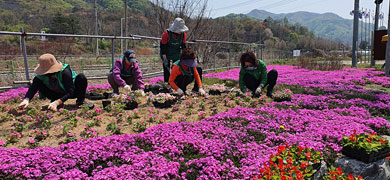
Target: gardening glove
(202, 92)
(24, 103)
(143, 93)
(54, 104)
(258, 90)
(180, 92)
(165, 62)
(128, 88)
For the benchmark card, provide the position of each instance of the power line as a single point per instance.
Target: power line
(275, 4)
(236, 5)
(309, 4)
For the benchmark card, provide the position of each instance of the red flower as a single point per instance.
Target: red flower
(354, 132)
(368, 140)
(339, 172)
(304, 165)
(350, 177)
(308, 155)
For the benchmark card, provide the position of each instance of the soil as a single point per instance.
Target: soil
(56, 136)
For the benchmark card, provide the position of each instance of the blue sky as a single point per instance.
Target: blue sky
(339, 7)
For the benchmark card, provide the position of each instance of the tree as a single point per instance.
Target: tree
(62, 24)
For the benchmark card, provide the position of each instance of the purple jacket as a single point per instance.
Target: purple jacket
(137, 81)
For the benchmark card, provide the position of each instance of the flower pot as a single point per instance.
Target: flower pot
(131, 105)
(106, 103)
(94, 96)
(107, 95)
(362, 155)
(166, 104)
(214, 92)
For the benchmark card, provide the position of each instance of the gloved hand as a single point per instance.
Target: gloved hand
(24, 103)
(202, 92)
(142, 93)
(180, 92)
(165, 62)
(54, 104)
(128, 88)
(258, 90)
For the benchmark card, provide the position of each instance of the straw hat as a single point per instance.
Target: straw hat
(47, 64)
(178, 26)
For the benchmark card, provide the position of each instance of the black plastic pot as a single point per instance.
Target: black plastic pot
(166, 104)
(130, 106)
(94, 96)
(213, 92)
(362, 155)
(106, 103)
(107, 95)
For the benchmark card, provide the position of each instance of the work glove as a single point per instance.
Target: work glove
(165, 62)
(202, 92)
(53, 106)
(180, 92)
(142, 93)
(258, 90)
(24, 103)
(128, 88)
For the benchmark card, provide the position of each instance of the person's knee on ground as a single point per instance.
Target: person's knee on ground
(271, 81)
(112, 83)
(196, 86)
(81, 84)
(251, 82)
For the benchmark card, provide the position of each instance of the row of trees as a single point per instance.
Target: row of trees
(152, 18)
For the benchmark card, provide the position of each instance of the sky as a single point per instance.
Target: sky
(340, 7)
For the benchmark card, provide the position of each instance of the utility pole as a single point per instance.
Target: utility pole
(361, 36)
(376, 24)
(96, 31)
(355, 33)
(126, 23)
(387, 67)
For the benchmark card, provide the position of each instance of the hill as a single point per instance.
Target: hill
(327, 25)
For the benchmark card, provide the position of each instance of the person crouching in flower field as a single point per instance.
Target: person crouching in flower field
(254, 76)
(184, 71)
(57, 82)
(125, 73)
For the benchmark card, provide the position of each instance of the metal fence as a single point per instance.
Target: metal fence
(20, 67)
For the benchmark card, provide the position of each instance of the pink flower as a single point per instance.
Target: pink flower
(2, 143)
(31, 141)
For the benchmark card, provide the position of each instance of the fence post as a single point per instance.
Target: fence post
(82, 65)
(261, 49)
(12, 69)
(229, 65)
(25, 54)
(112, 52)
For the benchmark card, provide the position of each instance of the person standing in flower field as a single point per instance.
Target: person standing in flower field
(253, 75)
(172, 42)
(125, 73)
(56, 81)
(184, 71)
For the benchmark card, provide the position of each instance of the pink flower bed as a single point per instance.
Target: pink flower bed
(232, 144)
(229, 145)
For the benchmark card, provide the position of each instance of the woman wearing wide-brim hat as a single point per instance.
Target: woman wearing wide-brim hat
(172, 42)
(57, 82)
(184, 71)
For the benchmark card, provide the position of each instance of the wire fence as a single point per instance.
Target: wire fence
(212, 55)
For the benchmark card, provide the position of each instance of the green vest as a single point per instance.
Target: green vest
(124, 71)
(58, 76)
(185, 73)
(173, 49)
